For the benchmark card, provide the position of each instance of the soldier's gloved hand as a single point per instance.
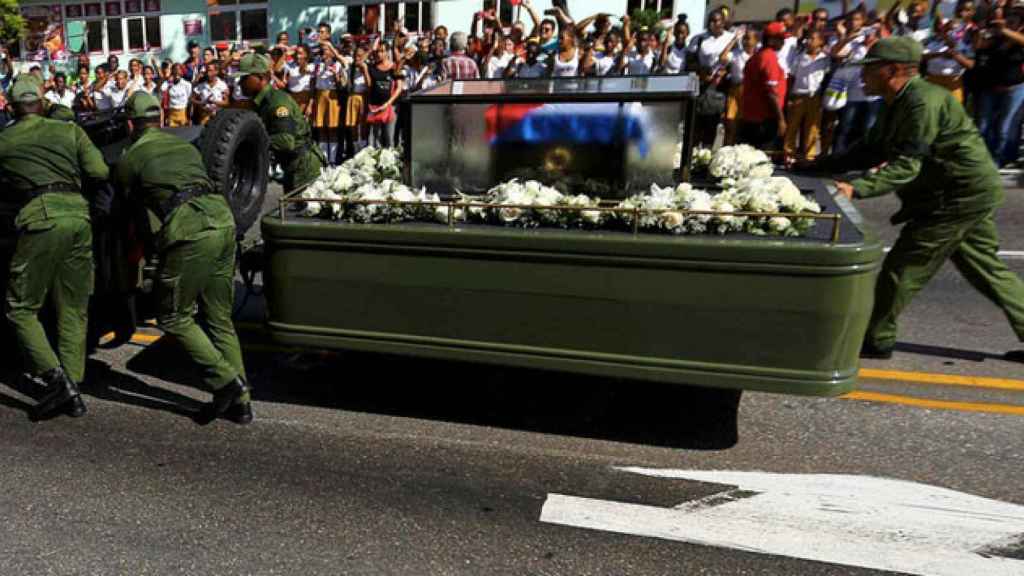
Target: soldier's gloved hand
(103, 198)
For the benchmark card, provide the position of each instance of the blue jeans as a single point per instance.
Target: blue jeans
(999, 118)
(855, 120)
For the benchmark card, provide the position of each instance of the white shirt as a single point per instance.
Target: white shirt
(135, 83)
(605, 64)
(178, 94)
(737, 62)
(568, 69)
(787, 53)
(497, 64)
(297, 81)
(326, 75)
(709, 49)
(809, 72)
(65, 99)
(113, 97)
(641, 65)
(675, 60)
(211, 93)
(857, 50)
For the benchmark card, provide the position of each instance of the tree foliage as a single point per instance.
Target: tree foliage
(12, 23)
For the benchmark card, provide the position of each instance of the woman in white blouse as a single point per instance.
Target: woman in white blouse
(566, 63)
(299, 78)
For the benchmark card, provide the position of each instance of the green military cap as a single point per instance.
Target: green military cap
(253, 63)
(143, 105)
(26, 89)
(899, 49)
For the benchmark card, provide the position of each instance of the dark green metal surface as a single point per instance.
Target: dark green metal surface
(752, 313)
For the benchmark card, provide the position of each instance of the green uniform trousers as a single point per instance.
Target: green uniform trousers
(52, 261)
(971, 242)
(202, 270)
(303, 170)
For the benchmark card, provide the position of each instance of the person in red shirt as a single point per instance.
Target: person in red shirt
(763, 120)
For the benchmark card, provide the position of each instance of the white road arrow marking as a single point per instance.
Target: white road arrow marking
(859, 521)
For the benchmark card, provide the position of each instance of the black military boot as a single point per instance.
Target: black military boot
(227, 395)
(870, 351)
(62, 394)
(239, 413)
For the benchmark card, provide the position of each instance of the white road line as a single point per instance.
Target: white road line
(1006, 254)
(862, 521)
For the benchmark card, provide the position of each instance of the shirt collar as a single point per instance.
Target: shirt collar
(262, 95)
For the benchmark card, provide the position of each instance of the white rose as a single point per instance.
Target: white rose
(670, 220)
(779, 224)
(509, 215)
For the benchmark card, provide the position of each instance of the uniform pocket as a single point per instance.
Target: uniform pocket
(168, 294)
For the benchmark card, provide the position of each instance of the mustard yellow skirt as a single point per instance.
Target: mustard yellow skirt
(734, 102)
(355, 111)
(327, 112)
(177, 117)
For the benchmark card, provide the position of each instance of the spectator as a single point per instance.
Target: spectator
(385, 89)
(529, 66)
(6, 70)
(458, 66)
(608, 61)
(82, 86)
(709, 46)
(762, 118)
(208, 56)
(331, 77)
(60, 93)
(299, 78)
(790, 44)
(500, 56)
(116, 92)
(149, 84)
(736, 58)
(441, 33)
(566, 62)
(860, 111)
(999, 82)
(949, 53)
(135, 77)
(355, 109)
(916, 25)
(673, 55)
(194, 65)
(113, 64)
(98, 90)
(803, 110)
(641, 54)
(177, 94)
(209, 96)
(710, 50)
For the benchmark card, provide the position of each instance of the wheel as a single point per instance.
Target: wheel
(236, 150)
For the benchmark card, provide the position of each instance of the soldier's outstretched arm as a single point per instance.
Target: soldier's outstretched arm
(911, 143)
(89, 157)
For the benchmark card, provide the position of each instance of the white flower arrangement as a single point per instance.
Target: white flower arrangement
(365, 190)
(734, 163)
(700, 160)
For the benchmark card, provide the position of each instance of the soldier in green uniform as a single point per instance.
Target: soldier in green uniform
(196, 246)
(926, 149)
(44, 164)
(291, 140)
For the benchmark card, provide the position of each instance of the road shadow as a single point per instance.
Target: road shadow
(18, 382)
(533, 400)
(945, 352)
(106, 384)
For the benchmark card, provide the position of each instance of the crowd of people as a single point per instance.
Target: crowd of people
(804, 92)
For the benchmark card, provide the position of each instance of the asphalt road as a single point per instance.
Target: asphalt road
(360, 464)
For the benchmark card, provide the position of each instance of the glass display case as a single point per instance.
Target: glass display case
(608, 137)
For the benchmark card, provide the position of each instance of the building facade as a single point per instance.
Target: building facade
(59, 30)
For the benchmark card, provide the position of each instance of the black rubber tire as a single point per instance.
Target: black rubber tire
(236, 150)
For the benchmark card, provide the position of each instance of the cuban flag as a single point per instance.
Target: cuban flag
(575, 122)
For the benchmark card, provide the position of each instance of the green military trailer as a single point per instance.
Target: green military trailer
(736, 312)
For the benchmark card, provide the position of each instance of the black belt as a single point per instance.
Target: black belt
(167, 207)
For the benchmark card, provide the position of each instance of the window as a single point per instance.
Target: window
(238, 21)
(503, 8)
(113, 27)
(415, 16)
(664, 7)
